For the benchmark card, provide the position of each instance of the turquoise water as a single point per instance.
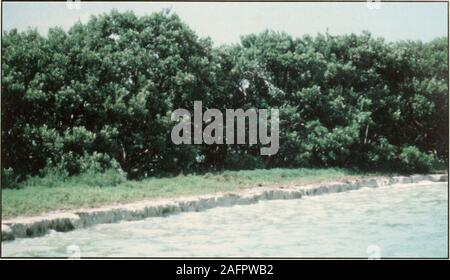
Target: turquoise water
(407, 220)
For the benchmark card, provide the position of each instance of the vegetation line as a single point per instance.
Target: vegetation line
(41, 195)
(100, 97)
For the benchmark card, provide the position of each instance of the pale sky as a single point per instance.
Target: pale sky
(226, 22)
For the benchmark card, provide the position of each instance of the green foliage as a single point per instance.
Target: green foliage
(413, 160)
(9, 179)
(99, 97)
(53, 192)
(242, 161)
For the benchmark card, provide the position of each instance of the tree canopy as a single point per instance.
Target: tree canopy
(100, 96)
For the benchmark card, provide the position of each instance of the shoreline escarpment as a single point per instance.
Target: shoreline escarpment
(22, 227)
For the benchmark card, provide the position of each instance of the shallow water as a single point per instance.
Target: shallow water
(407, 220)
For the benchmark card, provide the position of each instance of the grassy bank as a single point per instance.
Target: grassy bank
(40, 195)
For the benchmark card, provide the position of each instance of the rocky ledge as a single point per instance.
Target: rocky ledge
(66, 221)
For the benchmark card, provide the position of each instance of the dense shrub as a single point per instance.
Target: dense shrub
(413, 160)
(237, 161)
(9, 179)
(99, 97)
